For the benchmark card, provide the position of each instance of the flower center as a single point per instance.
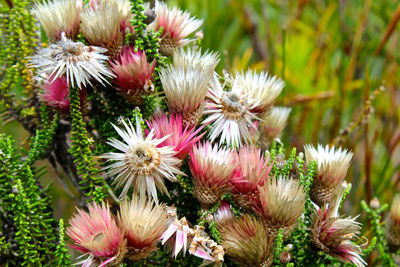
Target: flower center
(233, 107)
(144, 158)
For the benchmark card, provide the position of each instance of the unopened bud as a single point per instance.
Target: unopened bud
(199, 35)
(374, 203)
(285, 257)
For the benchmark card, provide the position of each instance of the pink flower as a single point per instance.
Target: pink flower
(253, 170)
(133, 73)
(179, 137)
(332, 234)
(56, 94)
(212, 168)
(176, 24)
(98, 235)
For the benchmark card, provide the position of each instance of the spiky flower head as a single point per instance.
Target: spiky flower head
(193, 58)
(179, 137)
(392, 228)
(133, 74)
(57, 16)
(78, 62)
(96, 233)
(143, 224)
(274, 122)
(332, 165)
(185, 90)
(212, 168)
(333, 235)
(176, 24)
(247, 241)
(100, 24)
(230, 114)
(261, 88)
(124, 13)
(252, 171)
(56, 94)
(281, 203)
(223, 214)
(141, 164)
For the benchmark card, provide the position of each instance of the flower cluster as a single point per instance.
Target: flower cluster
(217, 137)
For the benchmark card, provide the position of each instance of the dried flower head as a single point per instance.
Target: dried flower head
(273, 123)
(176, 236)
(179, 235)
(100, 24)
(141, 164)
(185, 90)
(57, 16)
(332, 165)
(143, 223)
(79, 63)
(212, 168)
(230, 113)
(261, 88)
(97, 235)
(252, 171)
(281, 203)
(179, 137)
(133, 74)
(193, 58)
(247, 241)
(393, 224)
(333, 235)
(56, 94)
(176, 24)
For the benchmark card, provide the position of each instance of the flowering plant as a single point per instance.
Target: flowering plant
(169, 161)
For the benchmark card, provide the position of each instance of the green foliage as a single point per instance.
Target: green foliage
(147, 41)
(43, 137)
(374, 216)
(80, 149)
(24, 230)
(28, 217)
(61, 250)
(19, 41)
(278, 246)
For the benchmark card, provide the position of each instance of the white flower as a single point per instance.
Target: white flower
(193, 58)
(185, 88)
(141, 164)
(79, 62)
(275, 121)
(231, 115)
(58, 16)
(332, 164)
(101, 26)
(261, 88)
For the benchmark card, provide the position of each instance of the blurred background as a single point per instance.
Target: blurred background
(333, 55)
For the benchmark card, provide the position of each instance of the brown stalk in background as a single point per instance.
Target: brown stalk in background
(389, 30)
